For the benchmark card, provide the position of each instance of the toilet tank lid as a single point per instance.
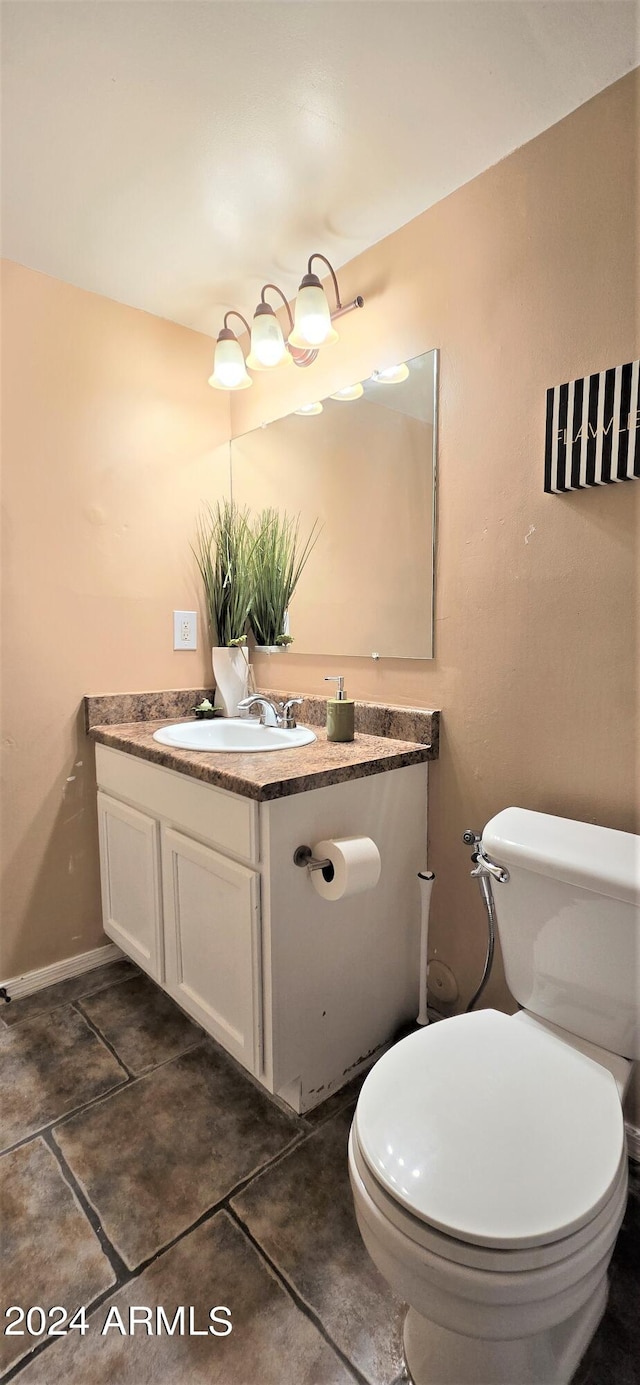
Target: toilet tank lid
(595, 858)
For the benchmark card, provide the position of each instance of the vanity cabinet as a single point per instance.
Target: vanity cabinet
(212, 943)
(181, 893)
(199, 887)
(130, 881)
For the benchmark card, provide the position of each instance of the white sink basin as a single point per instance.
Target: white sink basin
(232, 734)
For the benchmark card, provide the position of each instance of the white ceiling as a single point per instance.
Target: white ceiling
(174, 156)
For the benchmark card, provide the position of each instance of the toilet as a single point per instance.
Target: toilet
(487, 1154)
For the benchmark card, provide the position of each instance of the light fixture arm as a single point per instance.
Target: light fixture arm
(233, 312)
(284, 300)
(317, 256)
(340, 308)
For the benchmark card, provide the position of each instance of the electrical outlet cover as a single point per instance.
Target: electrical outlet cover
(185, 630)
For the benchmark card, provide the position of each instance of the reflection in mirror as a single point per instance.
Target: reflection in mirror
(363, 465)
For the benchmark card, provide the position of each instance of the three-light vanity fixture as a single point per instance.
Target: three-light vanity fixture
(310, 328)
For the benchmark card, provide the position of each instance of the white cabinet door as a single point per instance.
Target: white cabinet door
(130, 878)
(212, 943)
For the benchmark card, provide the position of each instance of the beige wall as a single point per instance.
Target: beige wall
(111, 437)
(524, 278)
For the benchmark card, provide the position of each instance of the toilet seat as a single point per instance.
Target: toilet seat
(476, 1257)
(483, 1293)
(493, 1134)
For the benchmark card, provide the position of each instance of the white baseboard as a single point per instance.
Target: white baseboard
(31, 981)
(633, 1140)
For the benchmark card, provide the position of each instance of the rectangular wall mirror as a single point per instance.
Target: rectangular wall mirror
(365, 468)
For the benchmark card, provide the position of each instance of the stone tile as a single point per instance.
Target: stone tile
(50, 1253)
(610, 1359)
(301, 1212)
(613, 1357)
(50, 1066)
(142, 1023)
(623, 1316)
(272, 1342)
(634, 1177)
(51, 997)
(161, 1152)
(626, 1257)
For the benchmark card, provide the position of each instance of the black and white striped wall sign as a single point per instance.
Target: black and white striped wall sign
(593, 430)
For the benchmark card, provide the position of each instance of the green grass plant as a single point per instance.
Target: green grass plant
(278, 560)
(224, 550)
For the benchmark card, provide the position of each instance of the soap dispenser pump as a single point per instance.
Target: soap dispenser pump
(340, 713)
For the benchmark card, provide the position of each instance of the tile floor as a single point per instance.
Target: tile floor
(143, 1168)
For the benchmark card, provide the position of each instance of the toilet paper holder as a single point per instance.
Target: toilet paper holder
(303, 856)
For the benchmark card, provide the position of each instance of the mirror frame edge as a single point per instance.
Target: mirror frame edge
(434, 493)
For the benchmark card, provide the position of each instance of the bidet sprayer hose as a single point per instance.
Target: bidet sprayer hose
(484, 871)
(487, 894)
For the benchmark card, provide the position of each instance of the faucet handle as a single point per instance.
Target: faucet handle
(288, 719)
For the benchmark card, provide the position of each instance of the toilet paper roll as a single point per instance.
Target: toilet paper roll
(356, 867)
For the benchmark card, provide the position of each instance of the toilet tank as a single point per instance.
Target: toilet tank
(569, 923)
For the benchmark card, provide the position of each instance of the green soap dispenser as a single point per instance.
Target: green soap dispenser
(340, 713)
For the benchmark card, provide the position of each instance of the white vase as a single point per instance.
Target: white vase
(231, 673)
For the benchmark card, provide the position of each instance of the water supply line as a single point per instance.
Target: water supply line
(426, 878)
(485, 870)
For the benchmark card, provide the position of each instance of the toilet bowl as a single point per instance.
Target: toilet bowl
(488, 1164)
(488, 1167)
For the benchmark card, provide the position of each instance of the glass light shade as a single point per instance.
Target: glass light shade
(229, 370)
(306, 409)
(312, 325)
(351, 392)
(267, 342)
(393, 375)
(254, 364)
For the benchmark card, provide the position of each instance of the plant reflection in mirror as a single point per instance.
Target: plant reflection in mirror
(278, 560)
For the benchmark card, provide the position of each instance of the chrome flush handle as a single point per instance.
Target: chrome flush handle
(484, 866)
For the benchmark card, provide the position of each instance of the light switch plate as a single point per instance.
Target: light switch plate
(185, 630)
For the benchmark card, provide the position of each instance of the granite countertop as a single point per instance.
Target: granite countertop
(272, 774)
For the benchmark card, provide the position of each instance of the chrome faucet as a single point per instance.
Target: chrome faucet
(272, 713)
